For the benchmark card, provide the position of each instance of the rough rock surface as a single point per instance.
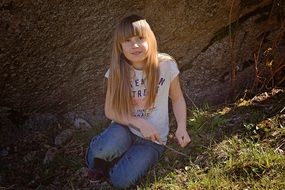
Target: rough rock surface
(54, 53)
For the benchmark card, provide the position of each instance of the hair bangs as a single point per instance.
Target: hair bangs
(130, 29)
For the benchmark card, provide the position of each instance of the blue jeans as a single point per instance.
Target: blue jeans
(130, 156)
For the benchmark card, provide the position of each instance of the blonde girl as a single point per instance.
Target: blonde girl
(140, 80)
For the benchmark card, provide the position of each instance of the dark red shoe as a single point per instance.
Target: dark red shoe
(95, 176)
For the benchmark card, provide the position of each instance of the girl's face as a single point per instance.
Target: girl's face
(135, 50)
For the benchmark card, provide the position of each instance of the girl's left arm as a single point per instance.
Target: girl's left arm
(179, 109)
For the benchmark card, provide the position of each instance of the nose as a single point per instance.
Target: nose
(135, 44)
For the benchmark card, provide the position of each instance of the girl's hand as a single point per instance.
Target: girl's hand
(149, 132)
(182, 137)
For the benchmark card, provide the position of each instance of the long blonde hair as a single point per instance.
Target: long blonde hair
(119, 80)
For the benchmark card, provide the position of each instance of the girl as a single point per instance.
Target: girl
(140, 80)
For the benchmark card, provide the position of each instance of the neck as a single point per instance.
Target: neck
(138, 65)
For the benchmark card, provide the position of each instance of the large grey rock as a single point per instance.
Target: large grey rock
(54, 53)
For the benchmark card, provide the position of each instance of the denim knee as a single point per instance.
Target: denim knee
(121, 180)
(108, 145)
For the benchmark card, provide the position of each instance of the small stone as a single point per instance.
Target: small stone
(59, 126)
(82, 172)
(63, 137)
(166, 159)
(30, 156)
(280, 150)
(4, 152)
(50, 155)
(81, 124)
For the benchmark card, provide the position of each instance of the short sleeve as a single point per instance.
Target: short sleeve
(107, 73)
(174, 71)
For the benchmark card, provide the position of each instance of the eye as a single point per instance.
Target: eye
(141, 37)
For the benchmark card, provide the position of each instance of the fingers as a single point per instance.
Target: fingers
(154, 138)
(184, 141)
(181, 141)
(149, 132)
(157, 137)
(182, 137)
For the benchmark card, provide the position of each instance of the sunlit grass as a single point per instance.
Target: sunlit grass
(251, 160)
(234, 164)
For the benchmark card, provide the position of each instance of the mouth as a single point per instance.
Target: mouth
(136, 53)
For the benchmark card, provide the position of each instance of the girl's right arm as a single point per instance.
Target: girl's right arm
(146, 128)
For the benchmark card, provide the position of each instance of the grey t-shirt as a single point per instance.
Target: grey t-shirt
(157, 115)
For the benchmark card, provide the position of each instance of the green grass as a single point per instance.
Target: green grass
(235, 163)
(253, 158)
